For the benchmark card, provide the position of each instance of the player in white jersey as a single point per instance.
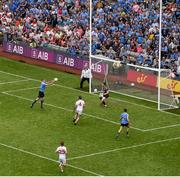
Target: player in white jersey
(62, 151)
(79, 106)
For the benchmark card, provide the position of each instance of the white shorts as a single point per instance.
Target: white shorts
(103, 98)
(101, 95)
(62, 160)
(79, 112)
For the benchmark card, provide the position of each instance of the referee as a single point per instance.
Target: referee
(85, 76)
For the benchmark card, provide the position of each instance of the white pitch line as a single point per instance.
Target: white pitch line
(23, 98)
(47, 158)
(70, 88)
(17, 90)
(158, 128)
(69, 110)
(10, 82)
(123, 148)
(88, 115)
(14, 75)
(106, 120)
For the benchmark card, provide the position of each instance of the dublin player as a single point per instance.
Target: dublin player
(42, 89)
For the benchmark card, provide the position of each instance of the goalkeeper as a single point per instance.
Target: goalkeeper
(104, 95)
(42, 89)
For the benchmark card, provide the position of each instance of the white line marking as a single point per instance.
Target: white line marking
(17, 90)
(124, 148)
(106, 120)
(70, 88)
(158, 128)
(10, 82)
(14, 74)
(89, 115)
(47, 158)
(23, 98)
(165, 112)
(69, 110)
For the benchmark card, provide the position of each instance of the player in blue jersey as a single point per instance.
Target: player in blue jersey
(124, 121)
(42, 89)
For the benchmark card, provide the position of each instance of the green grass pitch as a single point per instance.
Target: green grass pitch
(29, 137)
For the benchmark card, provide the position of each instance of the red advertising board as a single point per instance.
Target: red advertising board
(142, 78)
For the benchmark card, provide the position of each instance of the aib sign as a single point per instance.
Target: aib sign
(38, 54)
(15, 49)
(64, 60)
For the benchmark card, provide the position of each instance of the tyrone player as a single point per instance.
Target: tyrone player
(79, 106)
(62, 151)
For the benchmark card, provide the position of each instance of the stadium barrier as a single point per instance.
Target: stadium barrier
(151, 80)
(52, 56)
(1, 37)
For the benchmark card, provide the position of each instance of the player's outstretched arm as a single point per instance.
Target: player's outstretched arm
(51, 82)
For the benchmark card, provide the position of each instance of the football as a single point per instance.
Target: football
(55, 79)
(132, 84)
(95, 90)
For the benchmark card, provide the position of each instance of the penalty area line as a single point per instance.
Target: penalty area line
(47, 158)
(65, 109)
(124, 148)
(8, 92)
(159, 128)
(16, 81)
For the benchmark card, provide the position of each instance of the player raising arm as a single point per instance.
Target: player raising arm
(124, 122)
(42, 89)
(62, 151)
(79, 106)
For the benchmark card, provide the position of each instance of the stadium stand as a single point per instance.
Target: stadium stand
(60, 24)
(128, 30)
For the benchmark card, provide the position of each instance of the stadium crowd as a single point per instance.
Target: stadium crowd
(63, 23)
(127, 30)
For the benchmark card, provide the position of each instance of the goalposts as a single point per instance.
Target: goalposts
(133, 81)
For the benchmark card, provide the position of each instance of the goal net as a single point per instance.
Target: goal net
(133, 80)
(168, 89)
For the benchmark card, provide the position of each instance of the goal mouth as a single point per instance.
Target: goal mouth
(150, 84)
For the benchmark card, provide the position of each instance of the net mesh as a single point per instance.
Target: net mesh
(134, 81)
(168, 92)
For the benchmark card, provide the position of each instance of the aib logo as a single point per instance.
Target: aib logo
(9, 48)
(141, 79)
(34, 53)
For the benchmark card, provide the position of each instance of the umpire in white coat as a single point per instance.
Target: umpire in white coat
(85, 76)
